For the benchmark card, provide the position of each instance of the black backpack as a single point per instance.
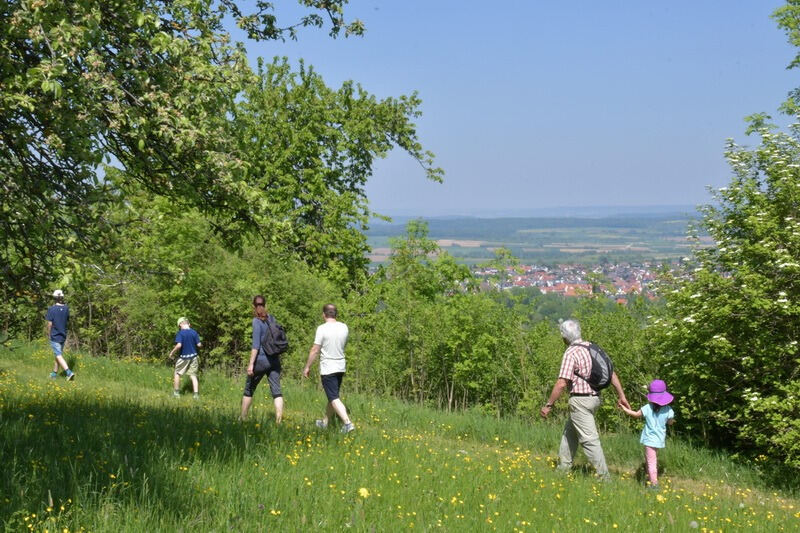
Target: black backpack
(273, 340)
(602, 368)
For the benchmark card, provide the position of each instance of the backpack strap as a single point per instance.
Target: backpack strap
(587, 345)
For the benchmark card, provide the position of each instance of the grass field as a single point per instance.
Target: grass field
(113, 451)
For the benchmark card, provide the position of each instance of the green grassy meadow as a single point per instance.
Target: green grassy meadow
(113, 451)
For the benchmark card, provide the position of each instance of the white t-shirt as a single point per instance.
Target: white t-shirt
(332, 338)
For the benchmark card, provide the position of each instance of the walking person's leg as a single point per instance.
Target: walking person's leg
(58, 350)
(274, 379)
(651, 460)
(193, 367)
(250, 385)
(340, 410)
(62, 362)
(176, 384)
(582, 409)
(329, 413)
(331, 384)
(181, 367)
(246, 401)
(568, 447)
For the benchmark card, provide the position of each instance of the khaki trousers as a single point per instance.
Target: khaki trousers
(581, 429)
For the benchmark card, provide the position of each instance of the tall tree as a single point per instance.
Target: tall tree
(309, 151)
(730, 335)
(148, 86)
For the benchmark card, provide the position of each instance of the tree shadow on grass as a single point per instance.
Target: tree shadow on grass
(104, 453)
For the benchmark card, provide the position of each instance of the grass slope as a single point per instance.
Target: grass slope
(113, 451)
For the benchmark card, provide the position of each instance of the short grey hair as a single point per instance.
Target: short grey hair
(570, 330)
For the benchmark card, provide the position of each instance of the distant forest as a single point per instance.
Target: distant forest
(661, 236)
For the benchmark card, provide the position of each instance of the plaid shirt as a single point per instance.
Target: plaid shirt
(576, 357)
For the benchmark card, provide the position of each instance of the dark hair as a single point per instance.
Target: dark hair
(329, 310)
(259, 307)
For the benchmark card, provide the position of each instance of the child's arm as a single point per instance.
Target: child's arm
(630, 412)
(671, 421)
(175, 349)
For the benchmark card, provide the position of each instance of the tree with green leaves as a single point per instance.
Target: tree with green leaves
(729, 337)
(309, 150)
(731, 332)
(152, 88)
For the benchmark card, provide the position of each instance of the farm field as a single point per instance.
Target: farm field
(551, 240)
(113, 451)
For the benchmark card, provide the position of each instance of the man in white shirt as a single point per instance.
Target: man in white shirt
(329, 343)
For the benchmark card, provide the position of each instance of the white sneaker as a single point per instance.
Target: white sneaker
(347, 428)
(321, 424)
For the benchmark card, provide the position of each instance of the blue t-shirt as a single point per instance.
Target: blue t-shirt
(189, 340)
(654, 433)
(59, 315)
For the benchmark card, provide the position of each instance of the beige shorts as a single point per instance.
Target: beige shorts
(187, 366)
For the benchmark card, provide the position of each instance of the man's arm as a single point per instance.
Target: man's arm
(312, 355)
(620, 393)
(558, 388)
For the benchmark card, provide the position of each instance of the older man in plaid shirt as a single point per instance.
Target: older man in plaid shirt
(583, 402)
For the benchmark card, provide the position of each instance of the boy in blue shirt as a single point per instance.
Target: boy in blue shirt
(187, 341)
(57, 318)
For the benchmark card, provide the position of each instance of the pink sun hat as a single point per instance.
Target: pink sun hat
(658, 393)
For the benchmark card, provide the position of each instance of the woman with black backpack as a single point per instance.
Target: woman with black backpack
(262, 363)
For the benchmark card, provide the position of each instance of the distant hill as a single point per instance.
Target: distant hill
(402, 216)
(627, 235)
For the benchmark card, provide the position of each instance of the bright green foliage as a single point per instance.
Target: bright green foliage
(730, 337)
(433, 338)
(774, 425)
(310, 150)
(163, 265)
(423, 332)
(788, 19)
(151, 87)
(139, 82)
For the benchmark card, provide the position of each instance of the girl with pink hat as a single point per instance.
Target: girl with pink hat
(657, 414)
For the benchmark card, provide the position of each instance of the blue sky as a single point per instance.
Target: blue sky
(533, 104)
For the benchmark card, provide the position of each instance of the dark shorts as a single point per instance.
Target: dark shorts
(274, 378)
(331, 384)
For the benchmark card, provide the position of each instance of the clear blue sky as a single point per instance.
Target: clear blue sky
(534, 104)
